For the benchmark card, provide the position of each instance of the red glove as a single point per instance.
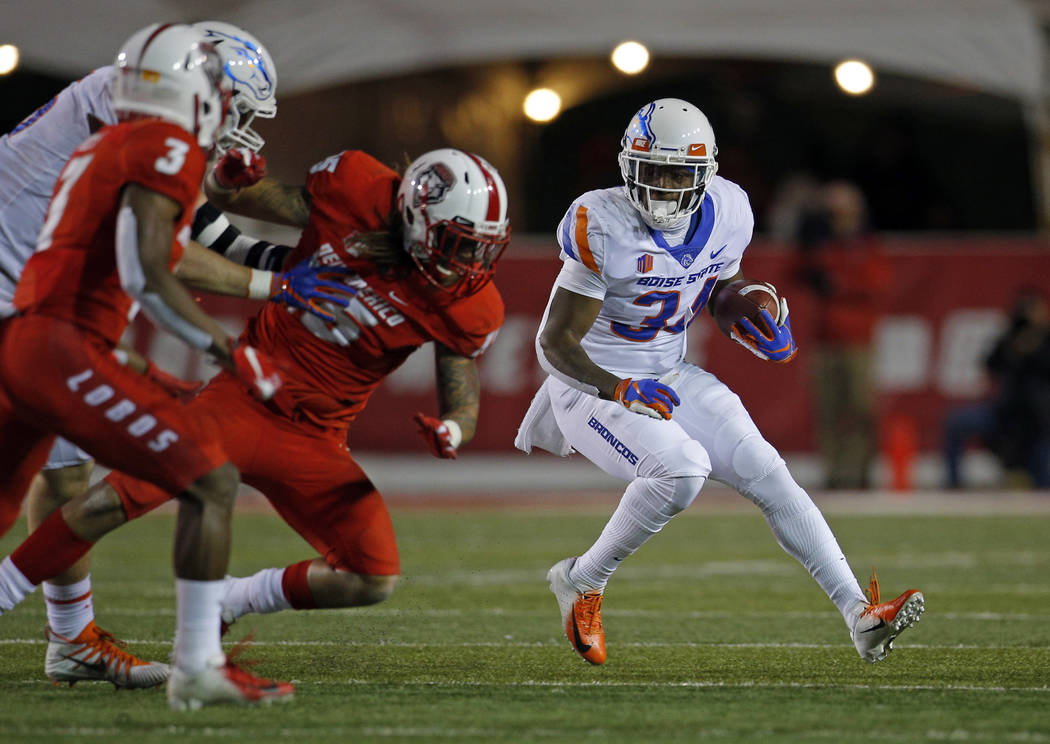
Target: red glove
(439, 436)
(238, 168)
(256, 370)
(184, 390)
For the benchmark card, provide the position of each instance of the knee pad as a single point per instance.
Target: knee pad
(685, 490)
(751, 459)
(777, 493)
(653, 501)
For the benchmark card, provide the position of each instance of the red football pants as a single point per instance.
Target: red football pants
(59, 379)
(306, 473)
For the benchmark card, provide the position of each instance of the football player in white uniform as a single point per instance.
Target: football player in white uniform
(640, 263)
(31, 157)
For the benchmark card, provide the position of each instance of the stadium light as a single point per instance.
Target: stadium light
(630, 57)
(8, 58)
(854, 77)
(542, 104)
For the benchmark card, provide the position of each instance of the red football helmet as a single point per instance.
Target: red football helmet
(454, 208)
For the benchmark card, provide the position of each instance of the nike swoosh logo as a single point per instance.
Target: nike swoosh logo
(882, 624)
(716, 254)
(95, 666)
(395, 298)
(580, 645)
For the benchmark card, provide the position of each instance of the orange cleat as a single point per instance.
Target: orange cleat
(880, 622)
(95, 655)
(581, 613)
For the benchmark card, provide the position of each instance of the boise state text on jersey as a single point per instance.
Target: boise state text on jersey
(651, 291)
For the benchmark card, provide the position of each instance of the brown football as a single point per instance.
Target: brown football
(744, 298)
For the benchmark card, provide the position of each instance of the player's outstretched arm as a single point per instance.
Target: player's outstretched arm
(213, 230)
(459, 402)
(302, 286)
(237, 183)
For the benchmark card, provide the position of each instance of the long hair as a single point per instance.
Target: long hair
(384, 249)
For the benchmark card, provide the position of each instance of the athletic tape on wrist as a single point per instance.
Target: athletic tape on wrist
(261, 285)
(455, 434)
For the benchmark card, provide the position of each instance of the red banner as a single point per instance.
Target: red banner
(948, 301)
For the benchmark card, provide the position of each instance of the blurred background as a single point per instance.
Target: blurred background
(897, 157)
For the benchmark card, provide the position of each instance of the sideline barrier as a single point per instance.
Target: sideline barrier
(949, 299)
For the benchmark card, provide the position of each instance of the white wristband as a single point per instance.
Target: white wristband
(261, 285)
(455, 434)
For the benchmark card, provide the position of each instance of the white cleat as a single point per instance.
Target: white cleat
(881, 622)
(96, 656)
(581, 613)
(223, 682)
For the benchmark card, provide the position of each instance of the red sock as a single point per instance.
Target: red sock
(296, 588)
(51, 549)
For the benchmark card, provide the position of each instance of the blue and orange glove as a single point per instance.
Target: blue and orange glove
(648, 396)
(256, 370)
(306, 287)
(442, 437)
(774, 342)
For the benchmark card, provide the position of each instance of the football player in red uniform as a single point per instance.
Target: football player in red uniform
(417, 256)
(116, 226)
(32, 156)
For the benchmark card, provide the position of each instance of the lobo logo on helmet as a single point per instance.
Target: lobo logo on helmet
(434, 183)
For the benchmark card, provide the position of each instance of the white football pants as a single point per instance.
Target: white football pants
(667, 462)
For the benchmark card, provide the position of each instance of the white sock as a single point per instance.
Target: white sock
(261, 592)
(644, 509)
(14, 586)
(197, 623)
(69, 608)
(801, 530)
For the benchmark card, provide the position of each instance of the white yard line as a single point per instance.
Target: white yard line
(366, 613)
(430, 732)
(510, 643)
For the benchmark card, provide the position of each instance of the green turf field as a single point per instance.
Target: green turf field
(714, 634)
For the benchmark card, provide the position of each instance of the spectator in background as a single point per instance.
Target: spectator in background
(842, 264)
(1015, 422)
(792, 200)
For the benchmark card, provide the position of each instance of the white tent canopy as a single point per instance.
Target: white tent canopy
(989, 45)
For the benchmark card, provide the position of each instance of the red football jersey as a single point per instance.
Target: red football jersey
(332, 369)
(73, 275)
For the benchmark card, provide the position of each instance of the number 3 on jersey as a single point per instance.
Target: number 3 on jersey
(172, 163)
(668, 302)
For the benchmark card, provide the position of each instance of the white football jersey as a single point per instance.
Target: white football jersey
(31, 157)
(651, 291)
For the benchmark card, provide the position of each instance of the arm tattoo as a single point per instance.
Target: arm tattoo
(459, 389)
(277, 202)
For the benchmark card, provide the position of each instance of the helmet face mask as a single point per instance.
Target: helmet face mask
(667, 161)
(454, 211)
(168, 71)
(250, 68)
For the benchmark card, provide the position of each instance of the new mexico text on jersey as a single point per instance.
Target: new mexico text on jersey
(332, 369)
